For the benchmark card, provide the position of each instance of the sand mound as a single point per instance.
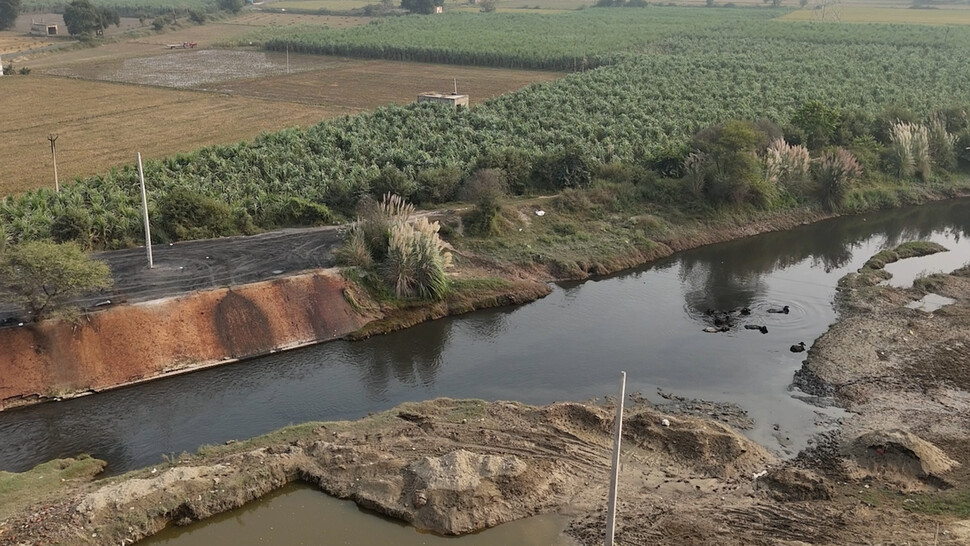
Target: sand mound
(900, 456)
(706, 446)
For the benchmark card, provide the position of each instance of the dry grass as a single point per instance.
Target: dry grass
(104, 124)
(870, 14)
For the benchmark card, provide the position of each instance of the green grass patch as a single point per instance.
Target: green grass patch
(953, 503)
(910, 249)
(21, 489)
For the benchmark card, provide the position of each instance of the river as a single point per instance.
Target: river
(570, 345)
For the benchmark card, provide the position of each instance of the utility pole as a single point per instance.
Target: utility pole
(53, 138)
(144, 211)
(615, 475)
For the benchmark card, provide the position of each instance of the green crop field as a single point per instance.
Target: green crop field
(682, 70)
(567, 41)
(127, 8)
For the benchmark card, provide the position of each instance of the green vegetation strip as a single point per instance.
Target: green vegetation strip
(827, 84)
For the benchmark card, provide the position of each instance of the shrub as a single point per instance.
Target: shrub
(487, 190)
(941, 143)
(909, 150)
(817, 121)
(198, 16)
(73, 224)
(416, 260)
(393, 180)
(695, 167)
(297, 211)
(515, 164)
(732, 170)
(187, 214)
(438, 185)
(787, 166)
(566, 168)
(835, 171)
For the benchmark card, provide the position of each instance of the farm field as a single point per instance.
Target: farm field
(116, 121)
(105, 134)
(364, 85)
(327, 5)
(852, 13)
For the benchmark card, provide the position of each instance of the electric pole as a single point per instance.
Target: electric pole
(53, 138)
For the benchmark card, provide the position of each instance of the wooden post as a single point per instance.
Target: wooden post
(53, 138)
(144, 211)
(615, 475)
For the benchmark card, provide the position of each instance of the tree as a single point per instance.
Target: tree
(85, 19)
(232, 6)
(9, 9)
(41, 276)
(487, 6)
(421, 6)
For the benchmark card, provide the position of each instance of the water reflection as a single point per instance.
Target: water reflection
(298, 514)
(568, 346)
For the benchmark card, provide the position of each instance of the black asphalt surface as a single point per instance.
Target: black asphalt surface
(211, 263)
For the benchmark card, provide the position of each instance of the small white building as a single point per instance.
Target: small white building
(42, 29)
(451, 99)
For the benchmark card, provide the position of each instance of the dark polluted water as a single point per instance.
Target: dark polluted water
(301, 515)
(570, 345)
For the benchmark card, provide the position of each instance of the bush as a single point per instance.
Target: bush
(410, 256)
(834, 174)
(198, 16)
(731, 169)
(566, 168)
(515, 165)
(909, 151)
(486, 189)
(416, 260)
(186, 214)
(392, 180)
(73, 224)
(297, 211)
(787, 166)
(817, 122)
(438, 185)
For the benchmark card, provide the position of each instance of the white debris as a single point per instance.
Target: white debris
(665, 422)
(760, 474)
(540, 213)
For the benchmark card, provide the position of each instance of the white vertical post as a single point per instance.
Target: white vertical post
(144, 211)
(53, 138)
(615, 475)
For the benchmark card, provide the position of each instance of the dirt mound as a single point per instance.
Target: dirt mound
(793, 485)
(900, 456)
(706, 446)
(456, 493)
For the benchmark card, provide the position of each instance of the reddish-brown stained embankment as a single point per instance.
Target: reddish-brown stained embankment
(133, 343)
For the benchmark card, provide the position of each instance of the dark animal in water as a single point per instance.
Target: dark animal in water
(723, 319)
(745, 311)
(782, 310)
(800, 347)
(760, 328)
